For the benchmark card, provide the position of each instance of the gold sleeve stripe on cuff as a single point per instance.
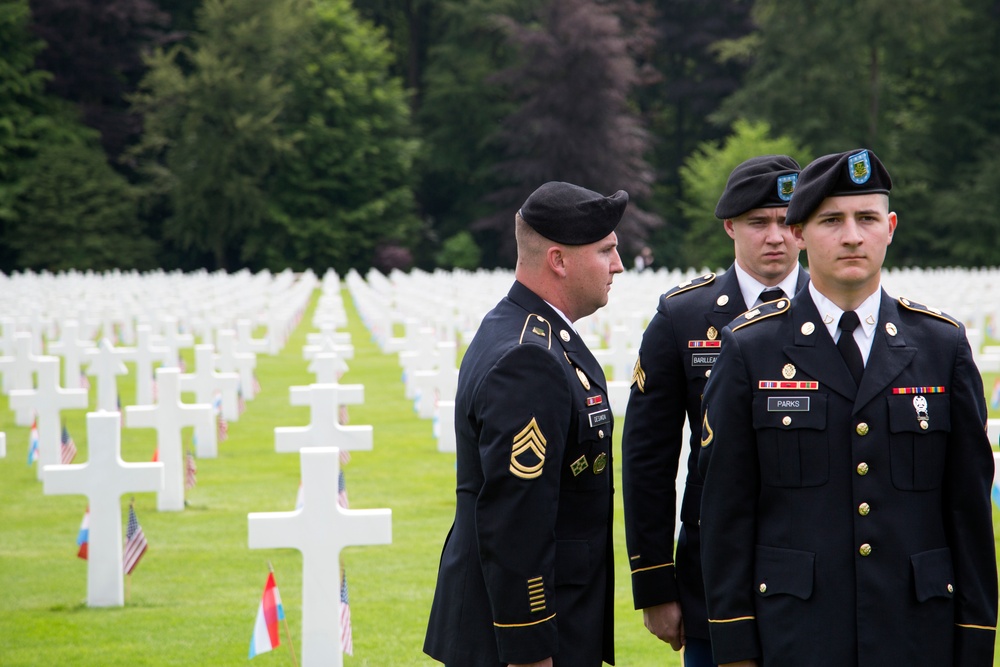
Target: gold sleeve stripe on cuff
(977, 627)
(522, 625)
(651, 567)
(732, 620)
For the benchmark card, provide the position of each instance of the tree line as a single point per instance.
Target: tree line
(395, 133)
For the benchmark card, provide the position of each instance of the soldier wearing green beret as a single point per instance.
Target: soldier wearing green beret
(846, 516)
(526, 574)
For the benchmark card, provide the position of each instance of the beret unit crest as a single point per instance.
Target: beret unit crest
(688, 285)
(927, 310)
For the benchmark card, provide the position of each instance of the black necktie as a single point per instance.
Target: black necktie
(848, 346)
(771, 294)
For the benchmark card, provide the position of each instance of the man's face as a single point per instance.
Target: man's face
(589, 271)
(846, 240)
(765, 247)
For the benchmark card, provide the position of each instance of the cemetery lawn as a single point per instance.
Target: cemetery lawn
(193, 598)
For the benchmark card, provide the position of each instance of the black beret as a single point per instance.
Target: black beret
(857, 172)
(761, 182)
(571, 215)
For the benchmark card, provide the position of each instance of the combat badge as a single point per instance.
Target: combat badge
(527, 456)
(639, 376)
(600, 463)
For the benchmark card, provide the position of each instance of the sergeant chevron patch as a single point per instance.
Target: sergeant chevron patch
(639, 375)
(527, 456)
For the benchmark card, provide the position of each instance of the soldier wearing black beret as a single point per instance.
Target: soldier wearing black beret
(846, 516)
(526, 574)
(678, 349)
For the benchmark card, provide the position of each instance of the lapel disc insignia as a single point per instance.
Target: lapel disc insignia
(564, 335)
(712, 333)
(890, 328)
(788, 371)
(722, 300)
(600, 463)
(583, 379)
(808, 328)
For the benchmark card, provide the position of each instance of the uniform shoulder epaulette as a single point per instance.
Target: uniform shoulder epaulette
(688, 285)
(927, 310)
(761, 312)
(537, 330)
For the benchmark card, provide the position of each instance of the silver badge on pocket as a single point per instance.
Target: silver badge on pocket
(920, 405)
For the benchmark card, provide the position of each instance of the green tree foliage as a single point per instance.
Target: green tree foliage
(345, 189)
(706, 244)
(213, 135)
(573, 122)
(459, 252)
(73, 211)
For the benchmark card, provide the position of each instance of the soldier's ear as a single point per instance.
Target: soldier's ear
(555, 257)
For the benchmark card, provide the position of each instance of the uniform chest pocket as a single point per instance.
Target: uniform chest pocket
(918, 439)
(588, 459)
(792, 442)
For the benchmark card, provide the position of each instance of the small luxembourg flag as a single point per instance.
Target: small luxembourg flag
(83, 537)
(269, 614)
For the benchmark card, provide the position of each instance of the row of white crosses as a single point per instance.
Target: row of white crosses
(320, 528)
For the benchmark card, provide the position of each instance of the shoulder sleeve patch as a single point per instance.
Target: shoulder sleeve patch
(537, 330)
(927, 310)
(761, 312)
(688, 285)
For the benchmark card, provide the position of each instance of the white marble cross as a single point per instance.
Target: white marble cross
(18, 372)
(169, 416)
(620, 355)
(205, 382)
(104, 478)
(174, 340)
(324, 429)
(231, 361)
(245, 342)
(71, 348)
(144, 355)
(444, 426)
(320, 529)
(48, 400)
(439, 383)
(326, 364)
(3, 445)
(105, 364)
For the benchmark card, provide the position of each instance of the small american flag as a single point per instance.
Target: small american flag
(190, 471)
(256, 385)
(346, 639)
(84, 381)
(68, 449)
(241, 403)
(223, 424)
(135, 542)
(341, 490)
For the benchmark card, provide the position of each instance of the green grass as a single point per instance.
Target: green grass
(194, 596)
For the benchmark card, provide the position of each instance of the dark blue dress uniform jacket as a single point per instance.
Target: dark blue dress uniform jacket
(672, 377)
(846, 525)
(526, 571)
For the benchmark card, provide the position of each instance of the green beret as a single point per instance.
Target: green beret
(857, 172)
(571, 215)
(761, 182)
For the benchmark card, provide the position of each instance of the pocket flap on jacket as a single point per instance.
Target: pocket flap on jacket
(933, 574)
(784, 572)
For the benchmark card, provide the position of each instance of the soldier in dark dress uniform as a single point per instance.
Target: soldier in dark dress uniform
(846, 517)
(526, 574)
(678, 349)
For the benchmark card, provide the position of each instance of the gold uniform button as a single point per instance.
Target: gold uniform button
(865, 550)
(763, 588)
(862, 428)
(864, 509)
(862, 468)
(708, 373)
(786, 420)
(600, 433)
(951, 589)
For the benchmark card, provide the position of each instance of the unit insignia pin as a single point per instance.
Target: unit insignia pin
(712, 333)
(788, 371)
(920, 405)
(583, 379)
